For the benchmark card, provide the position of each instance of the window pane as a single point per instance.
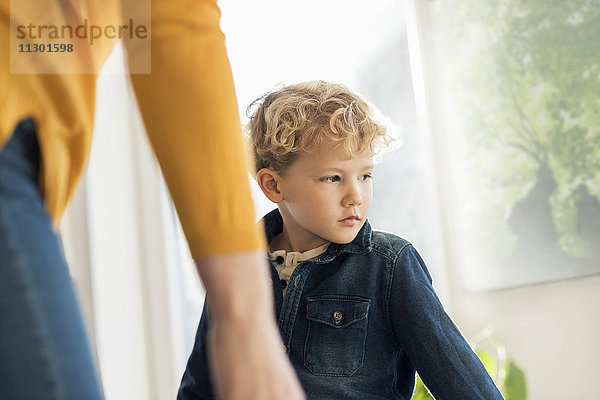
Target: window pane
(519, 84)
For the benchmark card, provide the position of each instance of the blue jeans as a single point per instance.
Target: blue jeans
(44, 352)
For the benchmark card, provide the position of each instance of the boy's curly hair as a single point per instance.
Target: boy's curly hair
(298, 117)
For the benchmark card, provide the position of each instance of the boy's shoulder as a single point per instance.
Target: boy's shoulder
(395, 248)
(388, 243)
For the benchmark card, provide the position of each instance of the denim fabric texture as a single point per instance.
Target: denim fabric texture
(44, 352)
(358, 321)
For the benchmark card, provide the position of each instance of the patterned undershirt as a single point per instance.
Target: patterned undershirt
(286, 262)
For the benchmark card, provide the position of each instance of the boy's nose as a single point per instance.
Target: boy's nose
(353, 197)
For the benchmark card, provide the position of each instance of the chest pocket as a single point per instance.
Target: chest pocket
(337, 333)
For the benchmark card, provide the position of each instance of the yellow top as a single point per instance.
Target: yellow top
(187, 103)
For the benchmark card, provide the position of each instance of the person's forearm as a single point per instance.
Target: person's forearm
(245, 357)
(237, 285)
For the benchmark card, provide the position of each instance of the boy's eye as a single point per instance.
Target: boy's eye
(366, 177)
(334, 178)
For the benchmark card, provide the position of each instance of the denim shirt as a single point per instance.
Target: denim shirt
(357, 322)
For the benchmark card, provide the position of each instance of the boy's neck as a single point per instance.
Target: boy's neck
(285, 241)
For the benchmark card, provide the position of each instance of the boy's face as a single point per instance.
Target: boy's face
(326, 197)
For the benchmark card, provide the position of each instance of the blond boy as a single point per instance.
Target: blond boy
(357, 313)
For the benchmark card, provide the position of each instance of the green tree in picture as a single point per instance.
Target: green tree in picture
(524, 77)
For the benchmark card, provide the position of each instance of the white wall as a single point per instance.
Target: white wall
(552, 331)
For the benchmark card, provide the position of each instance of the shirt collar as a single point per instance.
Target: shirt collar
(284, 260)
(273, 224)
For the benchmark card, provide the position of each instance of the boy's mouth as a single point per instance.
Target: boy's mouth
(350, 221)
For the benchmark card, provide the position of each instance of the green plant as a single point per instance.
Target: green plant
(509, 378)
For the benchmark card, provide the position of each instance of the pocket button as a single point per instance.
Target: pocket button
(337, 317)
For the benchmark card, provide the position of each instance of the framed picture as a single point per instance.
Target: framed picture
(517, 84)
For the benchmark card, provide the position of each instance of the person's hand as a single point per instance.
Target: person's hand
(246, 356)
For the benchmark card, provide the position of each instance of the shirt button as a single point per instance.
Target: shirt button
(279, 260)
(283, 283)
(337, 316)
(283, 348)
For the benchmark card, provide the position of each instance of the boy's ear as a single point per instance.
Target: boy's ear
(268, 180)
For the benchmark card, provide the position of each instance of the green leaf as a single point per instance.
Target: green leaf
(421, 392)
(514, 386)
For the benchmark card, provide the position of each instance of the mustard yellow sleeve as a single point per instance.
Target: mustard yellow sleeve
(189, 108)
